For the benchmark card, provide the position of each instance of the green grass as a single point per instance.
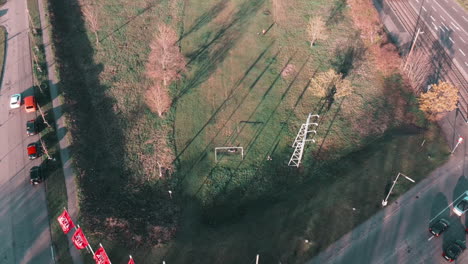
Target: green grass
(3, 37)
(228, 211)
(56, 191)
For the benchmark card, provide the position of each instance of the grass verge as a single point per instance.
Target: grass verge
(55, 182)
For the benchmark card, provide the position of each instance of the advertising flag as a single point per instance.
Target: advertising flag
(130, 261)
(100, 256)
(79, 239)
(65, 222)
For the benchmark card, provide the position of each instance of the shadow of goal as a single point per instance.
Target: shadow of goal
(229, 152)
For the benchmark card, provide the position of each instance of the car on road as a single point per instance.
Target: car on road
(15, 101)
(454, 250)
(462, 206)
(31, 128)
(33, 151)
(30, 104)
(439, 227)
(35, 175)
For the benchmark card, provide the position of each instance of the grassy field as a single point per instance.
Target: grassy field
(249, 66)
(55, 182)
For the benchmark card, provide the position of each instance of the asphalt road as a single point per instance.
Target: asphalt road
(449, 22)
(24, 224)
(399, 233)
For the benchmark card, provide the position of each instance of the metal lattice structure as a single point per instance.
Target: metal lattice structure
(301, 139)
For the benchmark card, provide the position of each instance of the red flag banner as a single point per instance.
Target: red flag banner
(130, 261)
(100, 256)
(65, 222)
(79, 239)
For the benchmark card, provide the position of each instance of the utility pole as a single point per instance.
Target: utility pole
(460, 140)
(384, 202)
(412, 47)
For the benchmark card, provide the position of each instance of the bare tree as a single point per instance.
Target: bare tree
(316, 29)
(419, 68)
(91, 18)
(343, 88)
(442, 97)
(323, 82)
(165, 65)
(157, 98)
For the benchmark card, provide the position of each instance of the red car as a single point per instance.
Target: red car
(33, 151)
(30, 104)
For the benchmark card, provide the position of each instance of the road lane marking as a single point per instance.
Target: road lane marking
(462, 40)
(466, 63)
(435, 27)
(444, 26)
(462, 52)
(430, 238)
(465, 18)
(452, 40)
(441, 28)
(417, 1)
(454, 9)
(443, 18)
(424, 9)
(432, 18)
(448, 206)
(433, 8)
(454, 25)
(450, 17)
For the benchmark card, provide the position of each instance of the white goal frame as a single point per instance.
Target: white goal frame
(227, 148)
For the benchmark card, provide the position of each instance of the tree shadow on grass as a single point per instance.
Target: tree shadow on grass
(204, 153)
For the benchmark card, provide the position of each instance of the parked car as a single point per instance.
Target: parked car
(33, 151)
(15, 101)
(462, 206)
(31, 128)
(454, 250)
(439, 227)
(35, 175)
(30, 104)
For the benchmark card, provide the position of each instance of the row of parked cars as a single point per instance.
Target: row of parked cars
(33, 149)
(456, 247)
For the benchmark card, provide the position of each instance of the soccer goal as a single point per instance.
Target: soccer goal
(228, 151)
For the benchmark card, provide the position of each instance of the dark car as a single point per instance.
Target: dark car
(31, 128)
(33, 151)
(454, 250)
(439, 227)
(35, 175)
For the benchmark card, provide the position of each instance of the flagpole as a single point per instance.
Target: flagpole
(106, 253)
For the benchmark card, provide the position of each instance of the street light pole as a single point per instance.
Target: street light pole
(384, 202)
(412, 47)
(460, 140)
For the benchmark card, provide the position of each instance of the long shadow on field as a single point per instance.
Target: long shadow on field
(207, 58)
(139, 13)
(229, 97)
(106, 184)
(205, 18)
(208, 145)
(265, 94)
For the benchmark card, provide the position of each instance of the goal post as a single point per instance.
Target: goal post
(229, 150)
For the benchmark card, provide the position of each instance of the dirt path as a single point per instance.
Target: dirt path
(72, 195)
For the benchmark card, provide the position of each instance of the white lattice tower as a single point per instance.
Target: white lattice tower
(301, 139)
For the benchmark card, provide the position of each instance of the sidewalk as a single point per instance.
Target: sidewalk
(72, 195)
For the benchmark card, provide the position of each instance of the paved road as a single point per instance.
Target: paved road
(399, 233)
(24, 224)
(448, 21)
